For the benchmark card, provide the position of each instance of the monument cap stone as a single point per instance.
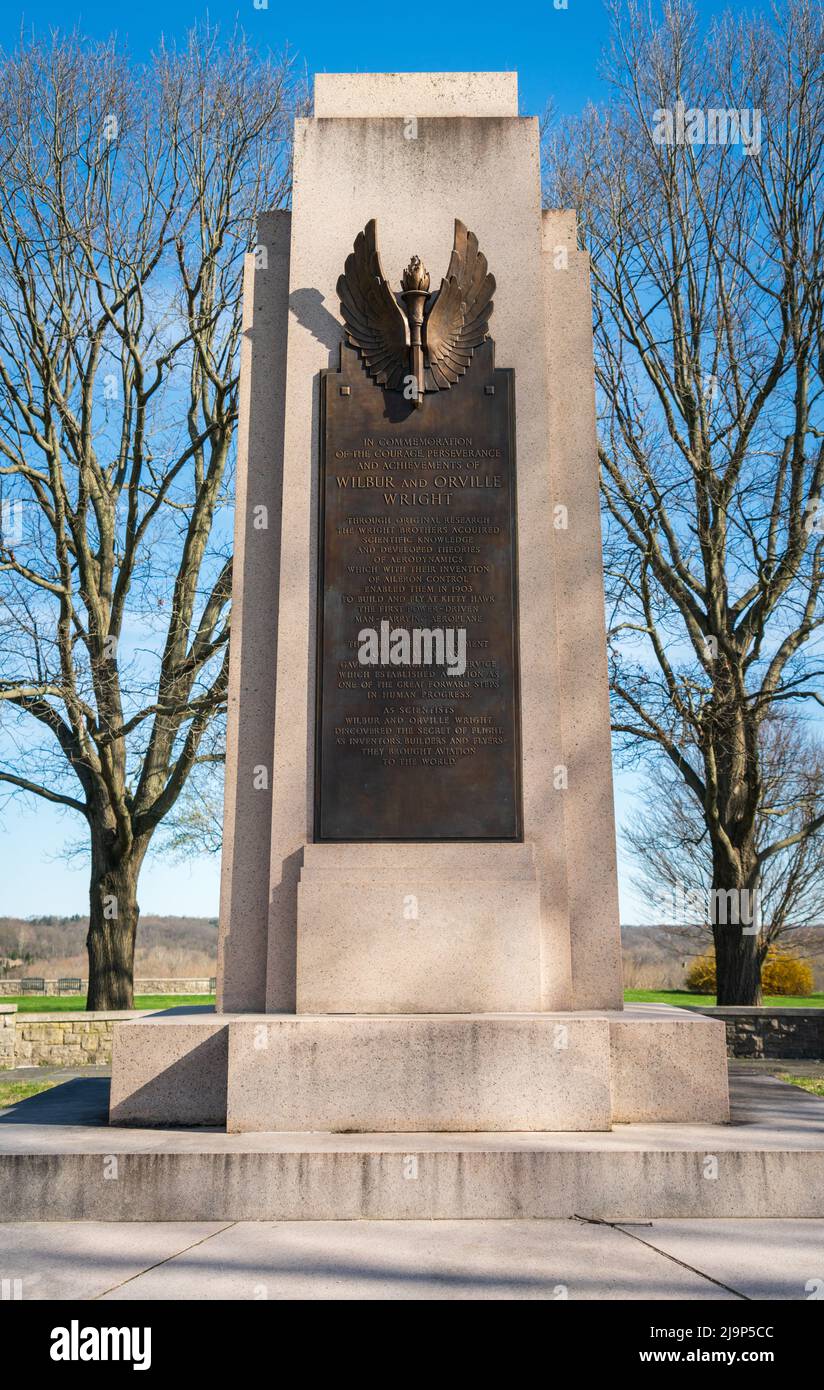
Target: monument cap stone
(406, 94)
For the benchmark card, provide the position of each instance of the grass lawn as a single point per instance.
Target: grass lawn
(813, 1084)
(64, 1003)
(681, 997)
(12, 1091)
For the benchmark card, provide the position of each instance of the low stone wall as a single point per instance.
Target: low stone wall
(771, 1032)
(58, 1040)
(7, 1034)
(195, 984)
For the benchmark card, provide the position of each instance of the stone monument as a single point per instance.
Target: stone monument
(419, 922)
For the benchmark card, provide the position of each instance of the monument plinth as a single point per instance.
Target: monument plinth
(419, 913)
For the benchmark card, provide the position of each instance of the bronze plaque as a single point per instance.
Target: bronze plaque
(417, 532)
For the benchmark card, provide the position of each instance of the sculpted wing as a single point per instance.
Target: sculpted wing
(375, 323)
(458, 321)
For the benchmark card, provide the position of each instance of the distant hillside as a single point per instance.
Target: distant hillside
(654, 957)
(659, 957)
(57, 945)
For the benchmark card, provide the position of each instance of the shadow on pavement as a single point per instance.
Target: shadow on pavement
(82, 1101)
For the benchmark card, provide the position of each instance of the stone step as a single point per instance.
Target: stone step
(60, 1161)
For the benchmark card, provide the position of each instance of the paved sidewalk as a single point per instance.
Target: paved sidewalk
(756, 1066)
(774, 1066)
(409, 1260)
(765, 1113)
(53, 1073)
(753, 1066)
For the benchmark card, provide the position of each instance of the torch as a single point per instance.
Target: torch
(415, 289)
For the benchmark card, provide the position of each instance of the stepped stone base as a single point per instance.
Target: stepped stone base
(419, 1072)
(61, 1161)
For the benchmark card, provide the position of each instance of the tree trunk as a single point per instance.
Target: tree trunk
(737, 966)
(113, 919)
(735, 910)
(739, 950)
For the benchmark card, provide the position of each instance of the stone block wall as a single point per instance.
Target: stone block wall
(58, 1040)
(772, 1032)
(179, 984)
(7, 1034)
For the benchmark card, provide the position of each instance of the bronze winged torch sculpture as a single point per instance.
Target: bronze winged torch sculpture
(415, 290)
(430, 346)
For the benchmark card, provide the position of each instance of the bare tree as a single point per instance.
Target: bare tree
(669, 841)
(127, 201)
(194, 826)
(700, 199)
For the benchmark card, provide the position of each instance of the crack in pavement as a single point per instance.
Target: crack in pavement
(585, 1220)
(158, 1263)
(616, 1226)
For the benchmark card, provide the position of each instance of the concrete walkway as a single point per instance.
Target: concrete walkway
(73, 1118)
(756, 1066)
(738, 1066)
(408, 1260)
(56, 1074)
(775, 1066)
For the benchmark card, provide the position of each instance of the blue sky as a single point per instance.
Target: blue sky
(553, 50)
(556, 54)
